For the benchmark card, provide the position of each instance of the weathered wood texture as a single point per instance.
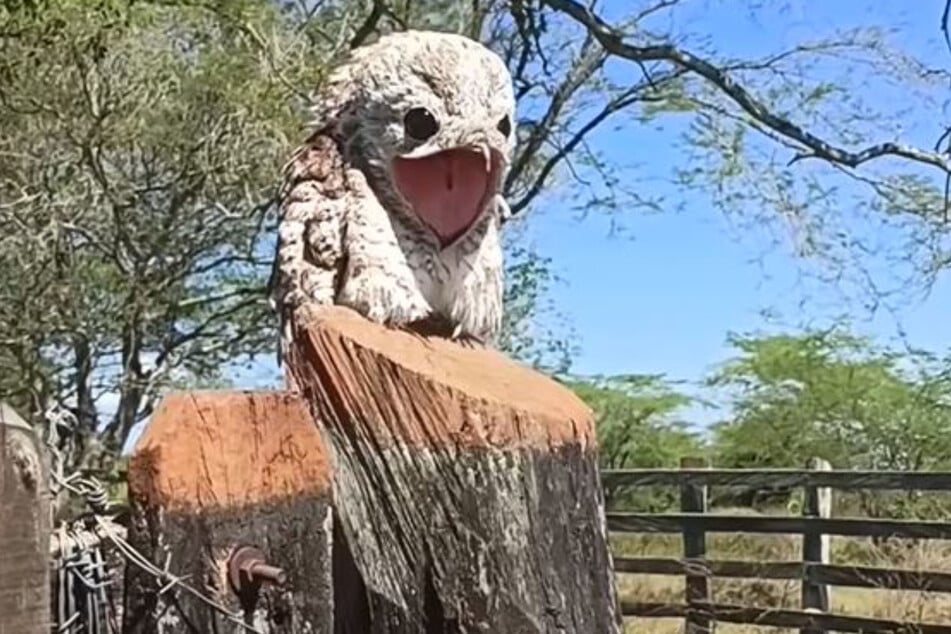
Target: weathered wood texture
(24, 529)
(693, 499)
(814, 571)
(815, 546)
(218, 470)
(466, 485)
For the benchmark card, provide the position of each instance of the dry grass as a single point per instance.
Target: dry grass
(885, 604)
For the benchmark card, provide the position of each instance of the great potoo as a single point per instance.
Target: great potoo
(392, 205)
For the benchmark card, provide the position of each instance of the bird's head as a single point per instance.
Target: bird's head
(429, 118)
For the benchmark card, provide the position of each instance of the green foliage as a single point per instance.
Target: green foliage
(141, 142)
(141, 148)
(790, 398)
(638, 426)
(525, 333)
(834, 396)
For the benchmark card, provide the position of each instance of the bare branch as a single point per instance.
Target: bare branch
(944, 23)
(618, 103)
(588, 61)
(613, 41)
(369, 24)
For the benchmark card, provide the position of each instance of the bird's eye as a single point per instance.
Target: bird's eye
(505, 126)
(420, 124)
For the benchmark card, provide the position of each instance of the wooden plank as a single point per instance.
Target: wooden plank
(781, 478)
(777, 617)
(829, 574)
(853, 527)
(709, 567)
(815, 546)
(24, 529)
(693, 499)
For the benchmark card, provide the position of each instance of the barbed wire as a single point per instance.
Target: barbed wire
(78, 548)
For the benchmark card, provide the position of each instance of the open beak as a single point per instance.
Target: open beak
(448, 190)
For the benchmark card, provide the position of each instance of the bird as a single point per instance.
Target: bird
(393, 204)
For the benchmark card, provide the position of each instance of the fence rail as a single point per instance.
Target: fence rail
(780, 479)
(815, 572)
(842, 526)
(823, 574)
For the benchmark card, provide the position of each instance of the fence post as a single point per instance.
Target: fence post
(434, 443)
(24, 529)
(817, 502)
(693, 499)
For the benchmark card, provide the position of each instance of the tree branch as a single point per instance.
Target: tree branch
(588, 61)
(369, 24)
(618, 103)
(814, 147)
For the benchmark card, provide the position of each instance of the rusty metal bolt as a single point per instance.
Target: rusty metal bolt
(248, 567)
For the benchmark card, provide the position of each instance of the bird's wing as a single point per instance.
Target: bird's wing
(313, 220)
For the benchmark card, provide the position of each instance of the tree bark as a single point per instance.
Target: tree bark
(467, 487)
(215, 471)
(24, 529)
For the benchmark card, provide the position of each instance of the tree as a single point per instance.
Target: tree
(533, 330)
(832, 395)
(638, 426)
(139, 143)
(802, 138)
(142, 142)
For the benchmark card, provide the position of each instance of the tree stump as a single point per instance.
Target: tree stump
(466, 485)
(24, 529)
(231, 490)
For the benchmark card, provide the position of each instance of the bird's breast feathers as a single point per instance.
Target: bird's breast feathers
(397, 273)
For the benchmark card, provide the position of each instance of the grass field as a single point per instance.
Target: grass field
(886, 604)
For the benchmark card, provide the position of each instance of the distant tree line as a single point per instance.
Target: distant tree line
(783, 399)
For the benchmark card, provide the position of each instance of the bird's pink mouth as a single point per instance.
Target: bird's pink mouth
(448, 190)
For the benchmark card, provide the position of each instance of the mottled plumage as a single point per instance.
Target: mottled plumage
(392, 205)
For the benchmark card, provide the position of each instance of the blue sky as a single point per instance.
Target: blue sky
(663, 297)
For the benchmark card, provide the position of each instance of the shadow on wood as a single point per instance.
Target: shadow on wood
(215, 471)
(466, 485)
(24, 529)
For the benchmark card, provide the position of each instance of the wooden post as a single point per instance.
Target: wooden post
(24, 529)
(467, 485)
(817, 502)
(231, 492)
(693, 499)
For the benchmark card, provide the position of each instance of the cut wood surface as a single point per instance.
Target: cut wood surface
(214, 471)
(228, 449)
(24, 530)
(466, 484)
(425, 391)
